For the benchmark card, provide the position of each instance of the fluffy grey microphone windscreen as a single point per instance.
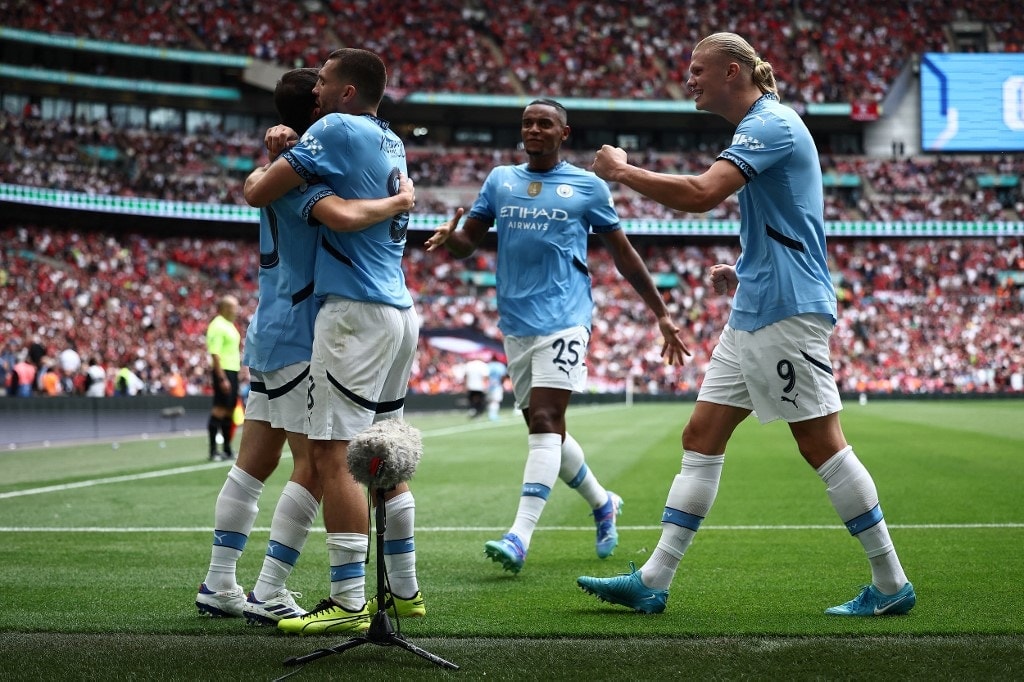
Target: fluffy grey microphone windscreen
(385, 454)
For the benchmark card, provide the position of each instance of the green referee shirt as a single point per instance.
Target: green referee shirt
(224, 341)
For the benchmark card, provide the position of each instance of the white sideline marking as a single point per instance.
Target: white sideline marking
(439, 529)
(501, 529)
(111, 479)
(478, 426)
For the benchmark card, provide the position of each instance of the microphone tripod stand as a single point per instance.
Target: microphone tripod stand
(381, 632)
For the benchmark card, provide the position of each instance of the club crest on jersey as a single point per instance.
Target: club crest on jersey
(564, 191)
(534, 188)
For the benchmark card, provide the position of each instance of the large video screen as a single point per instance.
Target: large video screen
(972, 102)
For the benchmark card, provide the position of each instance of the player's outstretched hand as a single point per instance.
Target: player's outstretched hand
(444, 230)
(674, 350)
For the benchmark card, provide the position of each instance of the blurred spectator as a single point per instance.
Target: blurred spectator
(70, 364)
(475, 376)
(95, 380)
(173, 382)
(24, 377)
(8, 359)
(37, 352)
(127, 382)
(49, 379)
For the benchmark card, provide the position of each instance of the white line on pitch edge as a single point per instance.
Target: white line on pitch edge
(497, 529)
(479, 426)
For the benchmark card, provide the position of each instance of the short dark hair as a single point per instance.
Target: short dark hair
(364, 69)
(548, 102)
(294, 100)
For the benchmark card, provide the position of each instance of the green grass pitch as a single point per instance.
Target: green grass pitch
(103, 549)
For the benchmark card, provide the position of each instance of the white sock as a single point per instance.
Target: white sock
(853, 495)
(577, 475)
(347, 554)
(233, 516)
(293, 517)
(400, 545)
(689, 500)
(539, 476)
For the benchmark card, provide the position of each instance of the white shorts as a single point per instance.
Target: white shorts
(782, 371)
(362, 358)
(279, 397)
(553, 361)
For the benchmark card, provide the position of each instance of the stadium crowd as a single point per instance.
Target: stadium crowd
(62, 154)
(916, 316)
(611, 48)
(936, 316)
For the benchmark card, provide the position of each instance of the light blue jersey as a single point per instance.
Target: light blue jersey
(496, 371)
(782, 269)
(281, 331)
(359, 157)
(542, 220)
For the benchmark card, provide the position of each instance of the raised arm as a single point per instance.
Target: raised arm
(352, 215)
(690, 193)
(260, 189)
(270, 182)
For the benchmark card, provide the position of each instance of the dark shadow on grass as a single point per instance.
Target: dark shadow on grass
(35, 656)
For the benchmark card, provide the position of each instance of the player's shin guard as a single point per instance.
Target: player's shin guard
(854, 496)
(574, 471)
(233, 516)
(347, 554)
(400, 545)
(539, 476)
(289, 529)
(689, 500)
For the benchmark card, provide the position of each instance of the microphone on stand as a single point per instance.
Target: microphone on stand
(380, 458)
(385, 454)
